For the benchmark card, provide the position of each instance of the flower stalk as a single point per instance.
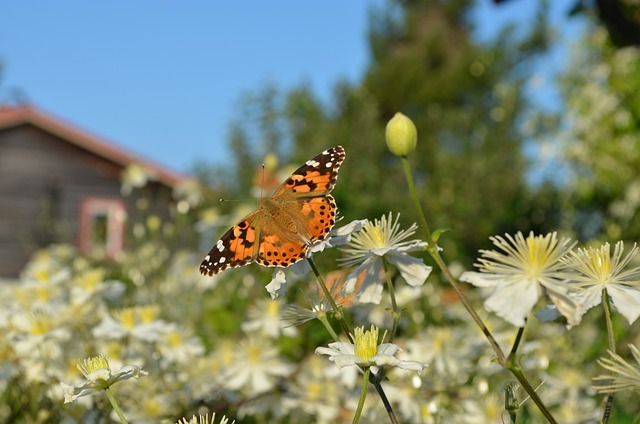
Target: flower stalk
(363, 394)
(432, 249)
(606, 305)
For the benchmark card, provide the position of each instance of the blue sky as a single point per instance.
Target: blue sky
(163, 78)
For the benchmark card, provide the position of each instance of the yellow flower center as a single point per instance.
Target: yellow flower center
(538, 254)
(41, 325)
(600, 262)
(91, 364)
(254, 353)
(89, 280)
(126, 316)
(148, 314)
(174, 338)
(365, 343)
(315, 390)
(273, 309)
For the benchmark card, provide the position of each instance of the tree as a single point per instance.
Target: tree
(602, 91)
(467, 101)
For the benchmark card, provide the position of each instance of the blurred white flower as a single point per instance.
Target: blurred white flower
(488, 408)
(596, 270)
(179, 346)
(377, 240)
(188, 194)
(134, 176)
(265, 318)
(520, 272)
(98, 376)
(365, 351)
(256, 366)
(448, 352)
(38, 336)
(139, 322)
(315, 391)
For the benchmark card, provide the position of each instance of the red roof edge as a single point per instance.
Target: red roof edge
(11, 116)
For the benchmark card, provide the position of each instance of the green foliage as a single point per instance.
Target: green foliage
(466, 99)
(602, 91)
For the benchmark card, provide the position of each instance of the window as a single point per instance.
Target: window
(102, 226)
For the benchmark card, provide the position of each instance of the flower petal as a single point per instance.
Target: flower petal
(388, 349)
(480, 279)
(278, 280)
(566, 305)
(346, 360)
(626, 300)
(413, 270)
(370, 290)
(513, 301)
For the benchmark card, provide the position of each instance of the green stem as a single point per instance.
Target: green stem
(608, 404)
(337, 312)
(116, 408)
(340, 317)
(394, 305)
(323, 319)
(432, 248)
(516, 344)
(363, 395)
(383, 397)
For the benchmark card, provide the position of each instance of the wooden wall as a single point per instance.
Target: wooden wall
(42, 182)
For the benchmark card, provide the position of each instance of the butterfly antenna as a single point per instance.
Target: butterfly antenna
(262, 183)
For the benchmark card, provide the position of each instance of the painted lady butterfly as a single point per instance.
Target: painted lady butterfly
(278, 233)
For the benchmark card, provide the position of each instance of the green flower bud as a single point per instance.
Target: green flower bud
(401, 135)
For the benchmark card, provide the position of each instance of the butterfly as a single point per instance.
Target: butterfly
(278, 233)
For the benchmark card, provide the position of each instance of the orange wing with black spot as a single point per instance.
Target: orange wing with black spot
(264, 236)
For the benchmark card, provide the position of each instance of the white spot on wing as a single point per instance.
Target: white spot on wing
(220, 246)
(313, 163)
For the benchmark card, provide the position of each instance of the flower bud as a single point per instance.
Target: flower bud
(401, 135)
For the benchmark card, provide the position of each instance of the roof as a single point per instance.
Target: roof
(27, 114)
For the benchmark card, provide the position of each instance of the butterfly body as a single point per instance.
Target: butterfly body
(278, 233)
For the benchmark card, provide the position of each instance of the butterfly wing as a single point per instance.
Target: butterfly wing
(236, 247)
(279, 248)
(318, 215)
(316, 177)
(265, 236)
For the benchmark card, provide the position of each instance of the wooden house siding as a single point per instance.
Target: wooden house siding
(44, 179)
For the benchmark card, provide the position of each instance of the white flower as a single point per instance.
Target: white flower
(449, 353)
(336, 237)
(365, 351)
(265, 317)
(627, 375)
(204, 419)
(319, 306)
(519, 273)
(38, 336)
(99, 376)
(189, 195)
(256, 366)
(134, 176)
(316, 391)
(595, 270)
(179, 346)
(383, 239)
(139, 322)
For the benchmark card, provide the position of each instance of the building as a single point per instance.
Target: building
(61, 184)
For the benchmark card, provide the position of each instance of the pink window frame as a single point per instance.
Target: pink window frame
(115, 211)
